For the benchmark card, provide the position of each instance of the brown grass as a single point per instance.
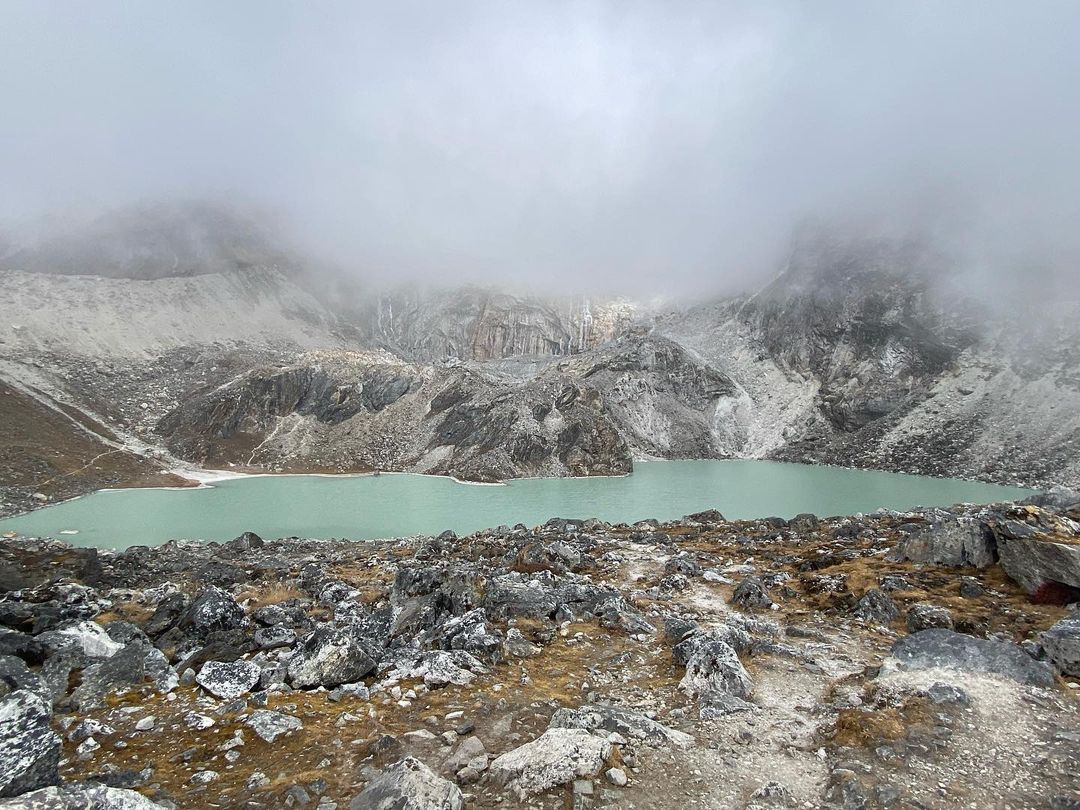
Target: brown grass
(272, 593)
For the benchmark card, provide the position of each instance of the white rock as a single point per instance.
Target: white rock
(558, 756)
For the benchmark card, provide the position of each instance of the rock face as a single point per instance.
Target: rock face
(29, 749)
(1062, 644)
(365, 411)
(944, 648)
(328, 658)
(477, 324)
(409, 785)
(860, 353)
(556, 757)
(88, 637)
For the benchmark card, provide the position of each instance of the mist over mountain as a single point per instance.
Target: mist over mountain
(598, 148)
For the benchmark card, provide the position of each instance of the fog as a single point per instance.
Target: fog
(642, 148)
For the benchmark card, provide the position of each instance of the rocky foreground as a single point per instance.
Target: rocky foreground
(925, 659)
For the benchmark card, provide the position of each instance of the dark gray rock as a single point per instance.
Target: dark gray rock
(1035, 560)
(212, 610)
(714, 674)
(952, 541)
(1062, 644)
(22, 645)
(409, 785)
(877, 606)
(29, 748)
(328, 658)
(751, 593)
(15, 675)
(682, 564)
(268, 638)
(950, 650)
(166, 614)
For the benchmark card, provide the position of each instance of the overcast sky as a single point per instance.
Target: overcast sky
(641, 147)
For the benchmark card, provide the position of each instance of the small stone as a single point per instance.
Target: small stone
(617, 777)
(146, 723)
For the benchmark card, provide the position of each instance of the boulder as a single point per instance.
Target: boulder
(132, 666)
(81, 796)
(952, 541)
(328, 658)
(468, 750)
(630, 724)
(15, 675)
(751, 593)
(1062, 645)
(167, 614)
(714, 674)
(29, 748)
(89, 637)
(228, 681)
(877, 606)
(269, 725)
(409, 785)
(930, 649)
(558, 756)
(508, 598)
(212, 610)
(1036, 560)
(22, 645)
(924, 616)
(268, 638)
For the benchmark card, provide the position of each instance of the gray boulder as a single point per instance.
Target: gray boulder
(1035, 560)
(328, 658)
(1062, 644)
(630, 724)
(409, 785)
(714, 674)
(228, 681)
(269, 725)
(946, 649)
(212, 610)
(88, 637)
(877, 606)
(952, 541)
(29, 749)
(558, 756)
(83, 796)
(268, 638)
(751, 593)
(15, 675)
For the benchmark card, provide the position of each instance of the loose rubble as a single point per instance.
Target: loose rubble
(868, 661)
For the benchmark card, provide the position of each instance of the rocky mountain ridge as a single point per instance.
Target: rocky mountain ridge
(854, 355)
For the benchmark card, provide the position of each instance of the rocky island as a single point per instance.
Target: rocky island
(889, 660)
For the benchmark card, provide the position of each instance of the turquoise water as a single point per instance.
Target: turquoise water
(366, 507)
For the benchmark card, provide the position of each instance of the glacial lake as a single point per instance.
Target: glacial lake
(393, 505)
